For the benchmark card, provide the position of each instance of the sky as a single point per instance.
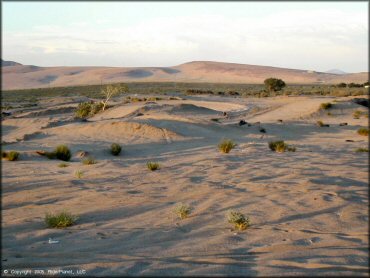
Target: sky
(301, 35)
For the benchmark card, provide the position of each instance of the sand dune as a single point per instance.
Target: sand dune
(22, 77)
(309, 208)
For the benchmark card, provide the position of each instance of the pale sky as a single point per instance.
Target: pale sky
(300, 35)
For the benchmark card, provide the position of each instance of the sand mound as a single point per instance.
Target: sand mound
(110, 131)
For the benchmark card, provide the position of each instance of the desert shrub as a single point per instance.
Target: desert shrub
(88, 109)
(62, 152)
(274, 84)
(326, 105)
(11, 156)
(320, 123)
(226, 145)
(4, 154)
(239, 221)
(59, 220)
(280, 146)
(89, 161)
(79, 174)
(115, 149)
(363, 131)
(152, 166)
(183, 211)
(357, 114)
(362, 150)
(63, 165)
(342, 85)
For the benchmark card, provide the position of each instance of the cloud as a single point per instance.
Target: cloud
(299, 39)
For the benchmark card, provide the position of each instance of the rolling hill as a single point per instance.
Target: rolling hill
(18, 76)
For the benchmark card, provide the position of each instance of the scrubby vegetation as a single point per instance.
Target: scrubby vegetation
(321, 124)
(357, 114)
(226, 145)
(363, 131)
(362, 150)
(11, 156)
(280, 146)
(115, 149)
(79, 174)
(239, 221)
(326, 105)
(89, 161)
(152, 166)
(183, 211)
(274, 84)
(59, 220)
(88, 109)
(63, 165)
(12, 97)
(62, 152)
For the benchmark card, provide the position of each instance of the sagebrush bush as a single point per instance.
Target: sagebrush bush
(226, 145)
(363, 131)
(89, 160)
(88, 109)
(152, 166)
(239, 221)
(320, 123)
(62, 152)
(326, 105)
(59, 220)
(280, 146)
(183, 211)
(11, 156)
(362, 150)
(79, 174)
(115, 149)
(63, 165)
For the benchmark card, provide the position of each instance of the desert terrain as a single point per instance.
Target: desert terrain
(308, 208)
(18, 76)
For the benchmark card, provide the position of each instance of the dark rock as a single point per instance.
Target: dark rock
(139, 114)
(262, 130)
(6, 114)
(242, 122)
(361, 101)
(280, 121)
(349, 140)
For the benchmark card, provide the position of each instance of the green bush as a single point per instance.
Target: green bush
(11, 156)
(183, 211)
(326, 105)
(89, 161)
(226, 145)
(274, 84)
(59, 220)
(88, 109)
(239, 221)
(115, 149)
(363, 131)
(280, 146)
(152, 166)
(62, 153)
(320, 123)
(79, 174)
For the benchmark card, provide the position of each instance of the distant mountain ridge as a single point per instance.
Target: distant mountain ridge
(336, 71)
(17, 76)
(9, 63)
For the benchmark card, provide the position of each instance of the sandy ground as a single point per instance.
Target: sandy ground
(309, 208)
(25, 76)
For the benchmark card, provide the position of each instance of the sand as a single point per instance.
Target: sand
(309, 208)
(26, 76)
